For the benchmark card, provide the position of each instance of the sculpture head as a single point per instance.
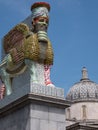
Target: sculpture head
(40, 19)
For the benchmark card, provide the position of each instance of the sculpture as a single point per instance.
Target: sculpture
(25, 48)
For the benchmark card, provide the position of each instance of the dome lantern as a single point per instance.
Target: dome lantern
(84, 74)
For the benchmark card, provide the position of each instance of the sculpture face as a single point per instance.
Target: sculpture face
(40, 24)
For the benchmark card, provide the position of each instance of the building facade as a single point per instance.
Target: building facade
(83, 113)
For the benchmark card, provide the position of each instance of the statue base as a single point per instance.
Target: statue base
(34, 107)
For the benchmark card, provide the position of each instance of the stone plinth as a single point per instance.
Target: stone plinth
(33, 108)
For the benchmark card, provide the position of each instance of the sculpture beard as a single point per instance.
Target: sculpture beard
(40, 28)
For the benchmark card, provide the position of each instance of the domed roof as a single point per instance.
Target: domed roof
(84, 90)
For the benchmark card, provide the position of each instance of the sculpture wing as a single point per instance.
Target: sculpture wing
(13, 44)
(15, 36)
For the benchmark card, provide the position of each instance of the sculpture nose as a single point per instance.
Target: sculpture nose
(44, 23)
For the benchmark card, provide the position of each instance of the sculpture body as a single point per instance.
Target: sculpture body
(28, 48)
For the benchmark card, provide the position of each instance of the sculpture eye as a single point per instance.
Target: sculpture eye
(41, 20)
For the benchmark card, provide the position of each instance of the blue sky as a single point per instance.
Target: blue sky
(73, 31)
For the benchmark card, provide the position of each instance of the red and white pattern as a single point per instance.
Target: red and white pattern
(2, 90)
(47, 76)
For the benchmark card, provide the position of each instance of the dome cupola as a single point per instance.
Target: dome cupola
(84, 90)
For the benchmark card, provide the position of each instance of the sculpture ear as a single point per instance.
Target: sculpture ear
(32, 28)
(33, 23)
